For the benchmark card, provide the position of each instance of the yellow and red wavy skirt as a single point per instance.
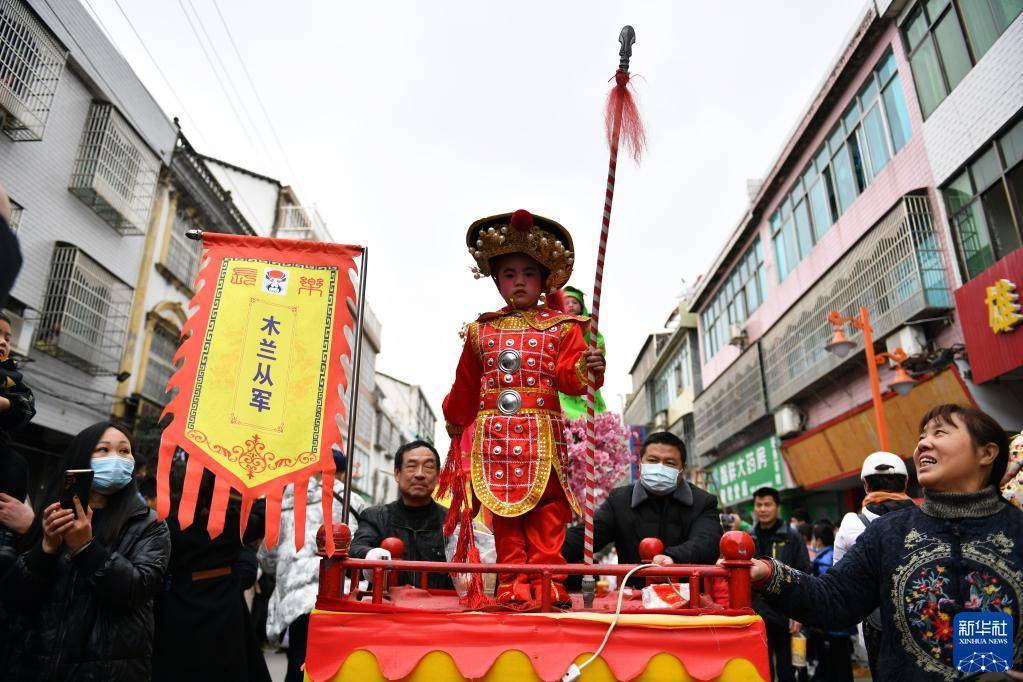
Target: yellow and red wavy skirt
(364, 645)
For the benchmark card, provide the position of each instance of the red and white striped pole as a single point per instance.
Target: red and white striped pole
(620, 109)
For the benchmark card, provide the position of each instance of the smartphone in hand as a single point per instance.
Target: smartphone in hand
(76, 482)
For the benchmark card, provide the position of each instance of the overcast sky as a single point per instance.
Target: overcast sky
(405, 121)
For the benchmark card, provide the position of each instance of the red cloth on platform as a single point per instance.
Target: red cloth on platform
(474, 641)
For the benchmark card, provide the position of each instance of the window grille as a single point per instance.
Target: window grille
(85, 313)
(896, 271)
(734, 401)
(301, 222)
(160, 364)
(115, 173)
(16, 211)
(183, 254)
(31, 62)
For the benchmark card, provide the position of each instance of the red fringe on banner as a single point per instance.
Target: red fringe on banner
(621, 106)
(278, 251)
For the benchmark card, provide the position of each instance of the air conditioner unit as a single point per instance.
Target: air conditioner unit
(661, 420)
(21, 333)
(910, 338)
(788, 420)
(737, 335)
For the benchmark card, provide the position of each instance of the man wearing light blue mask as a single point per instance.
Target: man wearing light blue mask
(661, 504)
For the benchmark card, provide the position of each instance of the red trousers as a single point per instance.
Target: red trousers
(536, 536)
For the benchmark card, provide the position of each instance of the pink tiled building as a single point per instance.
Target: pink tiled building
(901, 182)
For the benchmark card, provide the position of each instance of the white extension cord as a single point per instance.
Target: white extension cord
(574, 671)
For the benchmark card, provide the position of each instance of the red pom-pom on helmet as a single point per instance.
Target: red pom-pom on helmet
(522, 220)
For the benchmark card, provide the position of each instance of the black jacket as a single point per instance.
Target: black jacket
(423, 541)
(685, 521)
(89, 617)
(783, 544)
(13, 469)
(10, 259)
(922, 566)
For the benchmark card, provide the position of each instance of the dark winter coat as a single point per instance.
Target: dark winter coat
(13, 469)
(423, 537)
(10, 260)
(204, 630)
(781, 543)
(922, 566)
(89, 617)
(686, 521)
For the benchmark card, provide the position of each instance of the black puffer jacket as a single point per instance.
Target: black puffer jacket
(89, 617)
(785, 545)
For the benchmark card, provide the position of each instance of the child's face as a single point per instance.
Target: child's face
(5, 339)
(573, 306)
(519, 279)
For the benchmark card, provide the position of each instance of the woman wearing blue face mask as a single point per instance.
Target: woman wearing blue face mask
(84, 592)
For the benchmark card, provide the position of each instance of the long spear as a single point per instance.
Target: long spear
(621, 117)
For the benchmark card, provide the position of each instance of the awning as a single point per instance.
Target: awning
(837, 448)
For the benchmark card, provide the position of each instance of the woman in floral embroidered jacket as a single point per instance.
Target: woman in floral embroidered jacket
(959, 551)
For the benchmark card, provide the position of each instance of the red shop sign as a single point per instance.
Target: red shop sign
(991, 312)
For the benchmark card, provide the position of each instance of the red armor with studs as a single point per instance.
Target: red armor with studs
(513, 365)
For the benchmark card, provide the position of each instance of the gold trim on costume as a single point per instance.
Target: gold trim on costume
(531, 318)
(580, 371)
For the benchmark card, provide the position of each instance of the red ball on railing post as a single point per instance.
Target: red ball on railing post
(397, 549)
(737, 550)
(331, 567)
(648, 549)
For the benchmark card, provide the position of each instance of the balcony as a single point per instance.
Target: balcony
(115, 173)
(31, 62)
(897, 271)
(301, 222)
(85, 313)
(734, 401)
(181, 262)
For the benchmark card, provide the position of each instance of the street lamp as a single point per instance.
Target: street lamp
(841, 346)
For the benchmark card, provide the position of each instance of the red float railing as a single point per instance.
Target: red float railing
(736, 551)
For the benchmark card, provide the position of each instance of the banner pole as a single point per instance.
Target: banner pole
(353, 400)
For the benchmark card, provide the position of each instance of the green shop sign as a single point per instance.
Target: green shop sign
(737, 476)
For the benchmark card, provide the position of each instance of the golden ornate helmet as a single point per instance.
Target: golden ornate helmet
(542, 239)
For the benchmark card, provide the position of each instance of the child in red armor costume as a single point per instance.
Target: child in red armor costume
(513, 364)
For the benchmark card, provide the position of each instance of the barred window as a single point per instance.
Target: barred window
(85, 313)
(31, 62)
(160, 364)
(115, 173)
(183, 254)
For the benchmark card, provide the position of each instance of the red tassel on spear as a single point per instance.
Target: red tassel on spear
(623, 123)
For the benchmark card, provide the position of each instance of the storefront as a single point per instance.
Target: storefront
(991, 315)
(736, 477)
(829, 457)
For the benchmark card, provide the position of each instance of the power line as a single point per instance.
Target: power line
(230, 81)
(166, 81)
(213, 68)
(184, 110)
(255, 91)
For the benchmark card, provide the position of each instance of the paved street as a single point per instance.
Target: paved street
(278, 664)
